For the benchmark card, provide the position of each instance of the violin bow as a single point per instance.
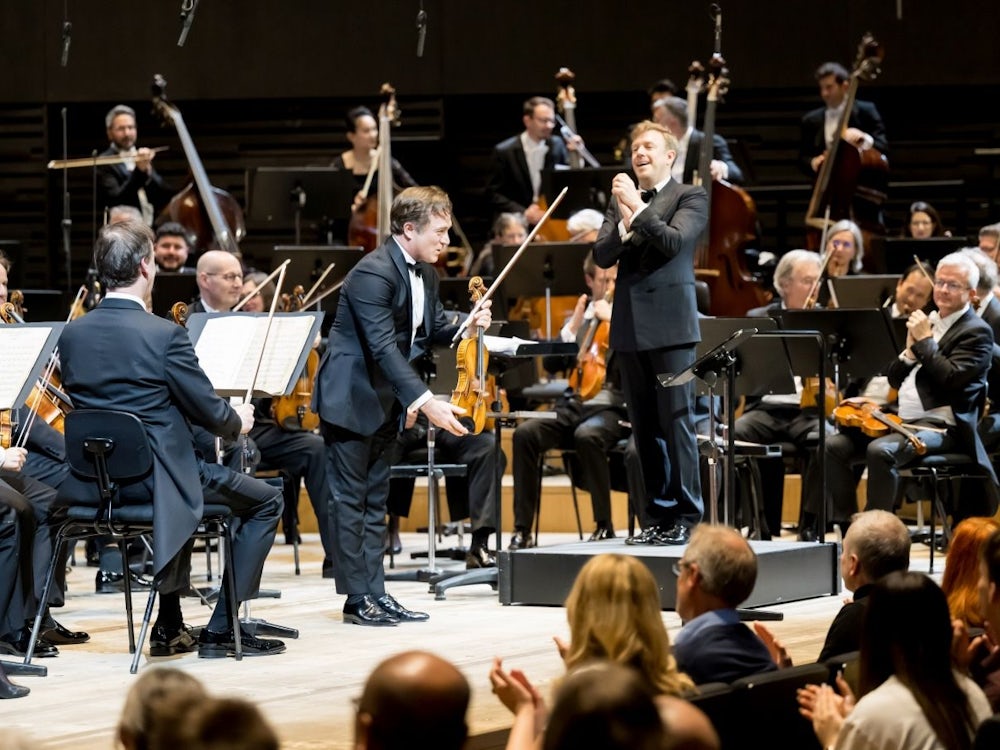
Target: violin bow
(260, 286)
(510, 264)
(923, 269)
(306, 301)
(824, 260)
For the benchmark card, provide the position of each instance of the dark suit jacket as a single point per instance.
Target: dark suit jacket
(844, 635)
(720, 152)
(953, 373)
(509, 188)
(724, 653)
(992, 317)
(365, 378)
(655, 302)
(864, 116)
(119, 187)
(120, 357)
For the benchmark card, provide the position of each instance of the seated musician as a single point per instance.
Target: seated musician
(989, 240)
(590, 427)
(914, 291)
(259, 302)
(508, 229)
(781, 418)
(923, 221)
(118, 357)
(172, 248)
(845, 250)
(940, 377)
(133, 182)
(987, 306)
(220, 282)
(672, 113)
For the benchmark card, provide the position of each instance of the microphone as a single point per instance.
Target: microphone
(421, 31)
(188, 8)
(67, 32)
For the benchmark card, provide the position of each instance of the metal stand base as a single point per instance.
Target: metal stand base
(20, 668)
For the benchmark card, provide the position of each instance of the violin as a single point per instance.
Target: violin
(293, 412)
(369, 224)
(211, 215)
(872, 421)
(6, 428)
(474, 389)
(587, 378)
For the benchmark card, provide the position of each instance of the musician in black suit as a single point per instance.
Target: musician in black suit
(671, 112)
(366, 390)
(220, 282)
(987, 306)
(134, 182)
(119, 357)
(651, 232)
(516, 178)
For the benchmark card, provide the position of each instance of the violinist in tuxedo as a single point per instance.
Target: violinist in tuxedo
(119, 357)
(651, 232)
(672, 113)
(133, 182)
(516, 179)
(367, 389)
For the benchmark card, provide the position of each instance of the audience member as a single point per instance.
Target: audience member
(225, 724)
(909, 693)
(715, 575)
(983, 652)
(960, 581)
(148, 694)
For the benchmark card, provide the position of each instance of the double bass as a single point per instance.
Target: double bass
(210, 214)
(848, 171)
(369, 224)
(732, 226)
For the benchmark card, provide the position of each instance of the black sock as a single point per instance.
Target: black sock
(481, 537)
(355, 598)
(170, 611)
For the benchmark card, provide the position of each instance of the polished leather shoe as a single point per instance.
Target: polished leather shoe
(522, 539)
(367, 611)
(389, 604)
(648, 535)
(220, 645)
(601, 533)
(16, 644)
(676, 534)
(479, 556)
(170, 640)
(53, 632)
(109, 582)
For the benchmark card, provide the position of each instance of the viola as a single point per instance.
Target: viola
(873, 422)
(179, 313)
(293, 412)
(587, 378)
(6, 428)
(209, 213)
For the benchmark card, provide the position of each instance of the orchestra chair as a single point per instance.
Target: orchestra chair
(110, 449)
(716, 699)
(765, 710)
(847, 664)
(940, 475)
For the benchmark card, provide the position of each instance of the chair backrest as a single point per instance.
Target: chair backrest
(848, 664)
(715, 699)
(988, 735)
(117, 435)
(770, 711)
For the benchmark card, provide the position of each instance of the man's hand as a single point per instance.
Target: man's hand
(533, 214)
(602, 309)
(13, 459)
(575, 143)
(779, 654)
(627, 195)
(718, 169)
(245, 412)
(918, 327)
(483, 318)
(855, 136)
(442, 414)
(817, 161)
(411, 419)
(576, 320)
(144, 159)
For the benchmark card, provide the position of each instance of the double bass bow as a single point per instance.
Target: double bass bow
(225, 225)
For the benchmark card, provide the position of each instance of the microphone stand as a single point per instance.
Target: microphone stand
(67, 221)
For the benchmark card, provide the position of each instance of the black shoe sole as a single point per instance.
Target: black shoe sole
(222, 650)
(355, 620)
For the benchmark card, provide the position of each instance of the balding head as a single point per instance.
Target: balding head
(220, 280)
(413, 694)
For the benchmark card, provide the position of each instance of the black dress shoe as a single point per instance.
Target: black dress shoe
(397, 610)
(676, 534)
(220, 645)
(479, 556)
(808, 534)
(109, 582)
(367, 611)
(647, 536)
(53, 632)
(9, 690)
(602, 532)
(522, 539)
(16, 644)
(168, 640)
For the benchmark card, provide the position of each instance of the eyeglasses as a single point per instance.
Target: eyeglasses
(841, 243)
(679, 566)
(951, 286)
(230, 277)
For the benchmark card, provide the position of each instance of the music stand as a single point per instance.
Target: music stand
(556, 266)
(589, 187)
(864, 291)
(170, 288)
(308, 264)
(897, 252)
(761, 363)
(279, 196)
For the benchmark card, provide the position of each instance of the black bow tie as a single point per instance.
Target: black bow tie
(415, 270)
(647, 195)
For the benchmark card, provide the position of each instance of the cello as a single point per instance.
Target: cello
(847, 171)
(732, 226)
(587, 378)
(369, 224)
(209, 213)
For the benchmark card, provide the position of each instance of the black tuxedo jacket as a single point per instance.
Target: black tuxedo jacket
(119, 187)
(509, 188)
(120, 357)
(655, 302)
(953, 373)
(365, 378)
(720, 152)
(864, 116)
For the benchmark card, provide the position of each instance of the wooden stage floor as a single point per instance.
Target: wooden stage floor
(306, 692)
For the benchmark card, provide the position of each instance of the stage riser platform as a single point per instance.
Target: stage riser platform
(787, 571)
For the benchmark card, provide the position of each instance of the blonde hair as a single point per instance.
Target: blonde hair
(648, 125)
(145, 700)
(614, 613)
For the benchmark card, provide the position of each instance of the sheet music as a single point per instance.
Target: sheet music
(229, 347)
(22, 345)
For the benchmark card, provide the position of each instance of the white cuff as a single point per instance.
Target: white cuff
(422, 399)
